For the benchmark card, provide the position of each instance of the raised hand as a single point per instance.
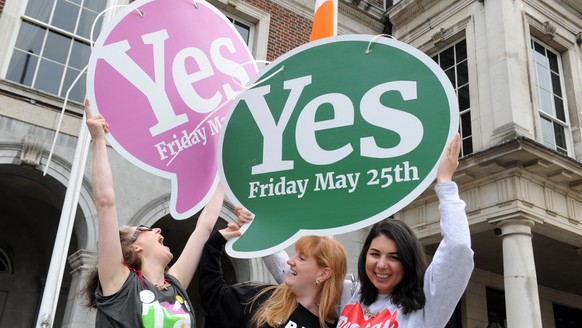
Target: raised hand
(244, 216)
(96, 123)
(450, 160)
(232, 230)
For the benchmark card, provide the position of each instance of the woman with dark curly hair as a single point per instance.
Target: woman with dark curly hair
(397, 287)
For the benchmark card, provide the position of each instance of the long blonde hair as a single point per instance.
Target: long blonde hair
(328, 253)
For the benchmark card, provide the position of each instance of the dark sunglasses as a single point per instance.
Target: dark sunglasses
(138, 231)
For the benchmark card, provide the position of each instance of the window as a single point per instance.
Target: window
(567, 317)
(456, 320)
(251, 22)
(52, 46)
(551, 102)
(496, 316)
(243, 29)
(453, 61)
(5, 263)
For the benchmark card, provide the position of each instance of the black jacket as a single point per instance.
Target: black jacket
(225, 305)
(229, 306)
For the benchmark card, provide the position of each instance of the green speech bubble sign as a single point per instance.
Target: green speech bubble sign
(334, 136)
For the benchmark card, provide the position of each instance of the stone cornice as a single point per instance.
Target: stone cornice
(430, 26)
(37, 97)
(574, 4)
(547, 33)
(521, 153)
(407, 9)
(362, 8)
(550, 10)
(372, 17)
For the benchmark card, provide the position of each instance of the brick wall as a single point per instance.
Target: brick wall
(376, 3)
(287, 30)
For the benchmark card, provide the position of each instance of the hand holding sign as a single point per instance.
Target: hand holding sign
(337, 139)
(450, 160)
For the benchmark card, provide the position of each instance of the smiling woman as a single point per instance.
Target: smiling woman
(382, 263)
(396, 288)
(307, 298)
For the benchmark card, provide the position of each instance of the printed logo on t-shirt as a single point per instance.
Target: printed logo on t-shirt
(164, 314)
(353, 317)
(291, 324)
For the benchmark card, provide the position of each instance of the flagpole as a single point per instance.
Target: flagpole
(51, 293)
(50, 296)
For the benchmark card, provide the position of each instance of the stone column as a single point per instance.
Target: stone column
(522, 302)
(76, 314)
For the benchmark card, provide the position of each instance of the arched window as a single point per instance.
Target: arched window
(5, 263)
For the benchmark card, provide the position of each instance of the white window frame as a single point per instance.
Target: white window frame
(256, 19)
(13, 17)
(457, 87)
(567, 128)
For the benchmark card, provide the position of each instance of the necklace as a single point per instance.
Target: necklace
(369, 313)
(163, 286)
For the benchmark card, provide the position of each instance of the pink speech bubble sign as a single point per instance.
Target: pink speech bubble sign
(164, 81)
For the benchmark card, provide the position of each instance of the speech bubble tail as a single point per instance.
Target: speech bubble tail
(190, 195)
(255, 243)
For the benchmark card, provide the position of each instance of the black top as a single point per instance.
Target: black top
(229, 306)
(139, 304)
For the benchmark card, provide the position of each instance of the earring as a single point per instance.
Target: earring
(317, 282)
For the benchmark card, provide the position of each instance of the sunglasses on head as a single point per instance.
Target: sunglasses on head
(138, 231)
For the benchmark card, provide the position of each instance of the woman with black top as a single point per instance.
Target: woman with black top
(307, 298)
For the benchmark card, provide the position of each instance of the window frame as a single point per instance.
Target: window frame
(253, 17)
(69, 71)
(235, 19)
(467, 111)
(537, 100)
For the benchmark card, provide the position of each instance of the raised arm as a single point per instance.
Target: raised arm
(187, 263)
(451, 267)
(276, 263)
(224, 304)
(112, 272)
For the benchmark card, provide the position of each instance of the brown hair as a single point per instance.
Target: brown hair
(130, 259)
(328, 253)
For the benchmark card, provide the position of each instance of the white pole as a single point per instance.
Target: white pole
(50, 296)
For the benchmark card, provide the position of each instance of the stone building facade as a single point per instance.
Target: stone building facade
(516, 67)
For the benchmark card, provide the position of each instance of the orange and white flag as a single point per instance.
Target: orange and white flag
(324, 19)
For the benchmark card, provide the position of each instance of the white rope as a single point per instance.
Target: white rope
(141, 13)
(61, 119)
(242, 89)
(58, 129)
